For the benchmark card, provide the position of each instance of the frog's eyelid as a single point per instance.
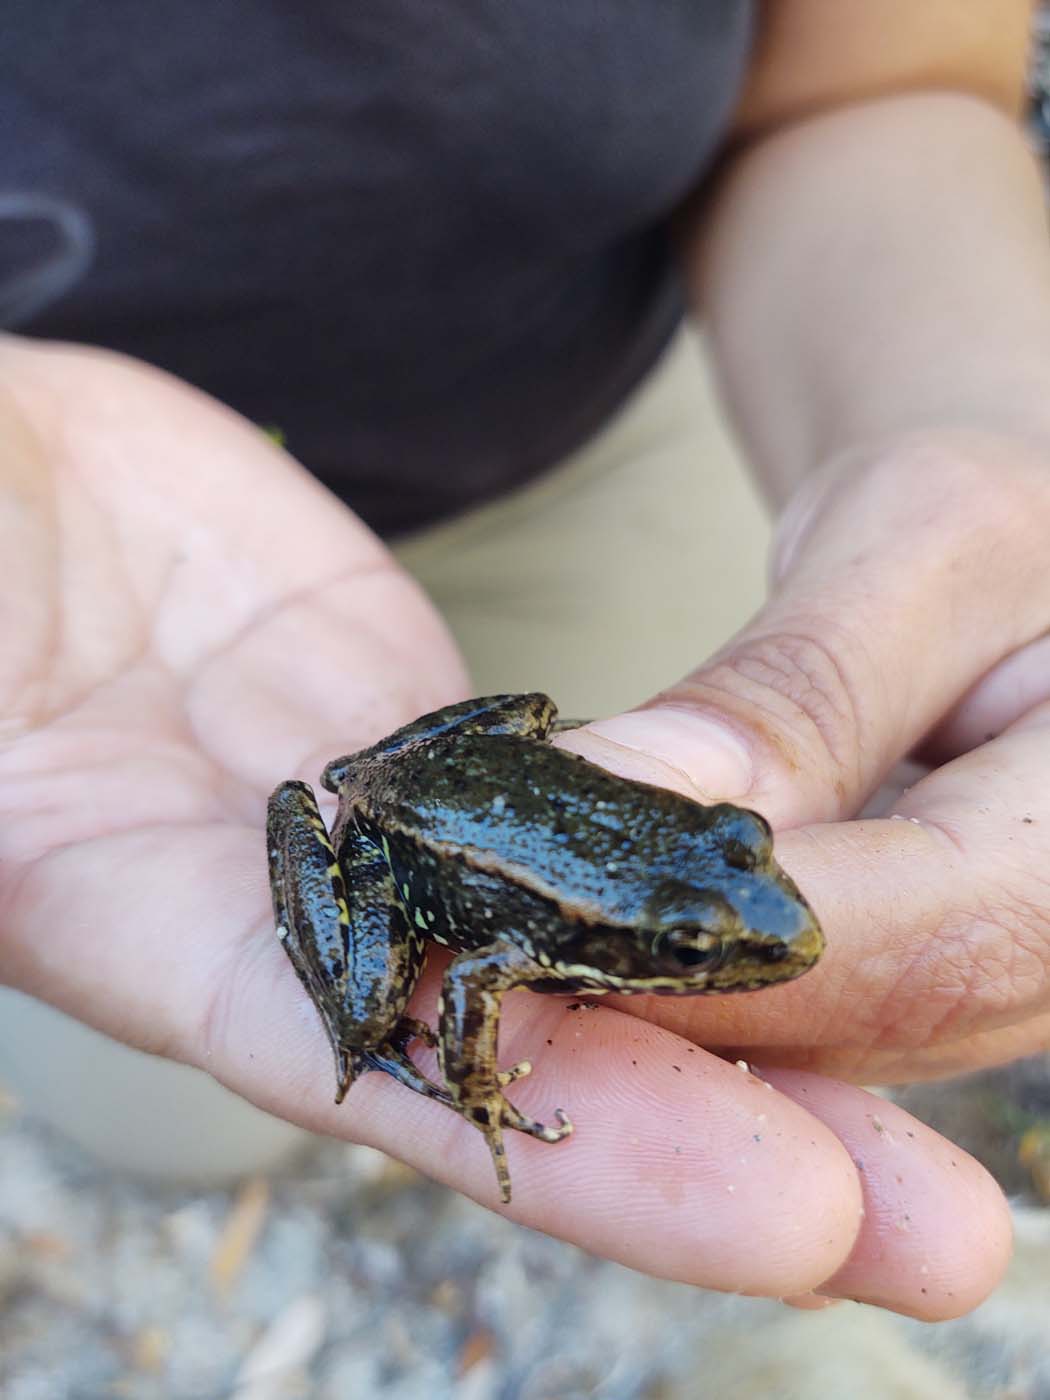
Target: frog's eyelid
(739, 854)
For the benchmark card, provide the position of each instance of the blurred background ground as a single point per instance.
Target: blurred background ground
(346, 1275)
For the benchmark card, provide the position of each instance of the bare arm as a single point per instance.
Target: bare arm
(875, 260)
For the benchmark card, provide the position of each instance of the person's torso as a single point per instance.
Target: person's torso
(429, 243)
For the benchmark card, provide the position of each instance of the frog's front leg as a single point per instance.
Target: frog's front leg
(348, 940)
(468, 1044)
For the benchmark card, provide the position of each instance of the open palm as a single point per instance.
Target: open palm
(188, 617)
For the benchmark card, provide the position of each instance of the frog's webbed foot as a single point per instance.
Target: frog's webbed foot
(392, 1058)
(492, 1114)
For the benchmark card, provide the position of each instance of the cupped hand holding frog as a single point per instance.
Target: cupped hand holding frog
(176, 648)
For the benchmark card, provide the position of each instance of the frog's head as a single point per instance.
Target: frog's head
(733, 922)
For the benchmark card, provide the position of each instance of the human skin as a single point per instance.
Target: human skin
(188, 618)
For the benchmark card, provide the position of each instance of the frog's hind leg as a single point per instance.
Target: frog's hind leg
(310, 909)
(393, 1058)
(346, 937)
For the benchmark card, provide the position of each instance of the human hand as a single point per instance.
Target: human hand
(909, 617)
(192, 619)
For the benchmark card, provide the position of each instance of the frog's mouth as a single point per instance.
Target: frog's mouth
(691, 962)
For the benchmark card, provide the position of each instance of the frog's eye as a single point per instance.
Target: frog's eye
(745, 839)
(695, 950)
(738, 855)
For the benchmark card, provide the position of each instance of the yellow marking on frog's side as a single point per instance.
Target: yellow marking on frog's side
(344, 912)
(333, 870)
(420, 921)
(321, 831)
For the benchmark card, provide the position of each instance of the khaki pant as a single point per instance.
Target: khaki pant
(618, 571)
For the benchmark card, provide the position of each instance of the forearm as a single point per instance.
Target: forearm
(875, 272)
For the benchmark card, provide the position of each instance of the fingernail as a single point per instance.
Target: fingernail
(711, 756)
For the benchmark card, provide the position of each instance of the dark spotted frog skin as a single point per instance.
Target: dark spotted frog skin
(537, 869)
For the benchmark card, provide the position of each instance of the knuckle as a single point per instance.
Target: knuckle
(980, 970)
(800, 693)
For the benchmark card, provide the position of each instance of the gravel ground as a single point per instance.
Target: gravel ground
(349, 1276)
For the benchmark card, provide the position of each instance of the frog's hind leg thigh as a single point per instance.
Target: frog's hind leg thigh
(347, 940)
(310, 910)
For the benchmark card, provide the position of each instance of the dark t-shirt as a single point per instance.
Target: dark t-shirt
(427, 241)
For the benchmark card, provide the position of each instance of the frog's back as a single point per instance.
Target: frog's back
(529, 815)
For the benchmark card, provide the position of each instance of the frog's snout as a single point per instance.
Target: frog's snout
(805, 944)
(783, 927)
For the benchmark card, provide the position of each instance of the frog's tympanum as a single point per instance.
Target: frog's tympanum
(537, 869)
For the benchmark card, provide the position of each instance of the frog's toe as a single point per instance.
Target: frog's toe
(563, 1130)
(346, 1071)
(412, 1028)
(492, 1114)
(513, 1119)
(393, 1059)
(488, 1116)
(518, 1071)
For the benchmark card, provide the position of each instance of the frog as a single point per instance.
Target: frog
(468, 830)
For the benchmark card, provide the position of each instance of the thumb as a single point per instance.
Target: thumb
(899, 579)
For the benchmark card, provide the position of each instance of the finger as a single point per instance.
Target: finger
(678, 1164)
(811, 1302)
(998, 699)
(938, 940)
(901, 581)
(936, 1237)
(679, 1160)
